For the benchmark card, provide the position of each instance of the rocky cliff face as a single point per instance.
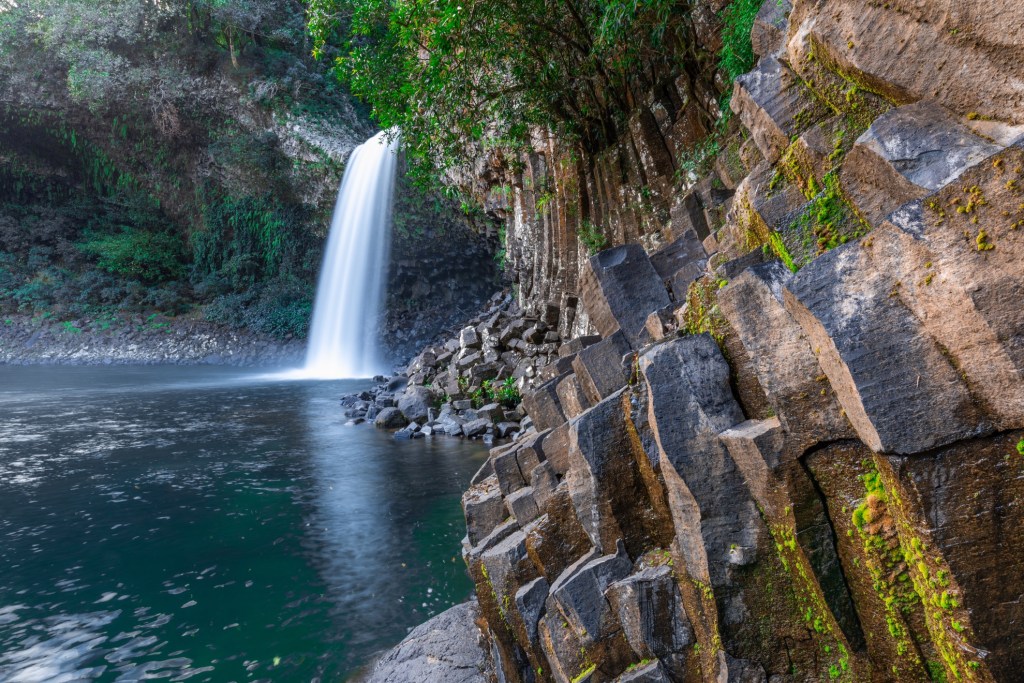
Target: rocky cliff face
(797, 451)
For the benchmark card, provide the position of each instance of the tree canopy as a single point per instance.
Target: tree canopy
(457, 74)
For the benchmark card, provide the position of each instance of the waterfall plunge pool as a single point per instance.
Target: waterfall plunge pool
(205, 524)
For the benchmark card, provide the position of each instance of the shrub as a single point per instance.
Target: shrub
(152, 257)
(737, 54)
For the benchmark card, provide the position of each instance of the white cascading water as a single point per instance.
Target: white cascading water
(342, 339)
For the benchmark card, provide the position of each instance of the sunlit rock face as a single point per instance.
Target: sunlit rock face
(805, 462)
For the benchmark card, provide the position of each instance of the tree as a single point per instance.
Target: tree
(455, 75)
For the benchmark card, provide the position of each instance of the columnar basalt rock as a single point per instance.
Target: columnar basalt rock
(794, 451)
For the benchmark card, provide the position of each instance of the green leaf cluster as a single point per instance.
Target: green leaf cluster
(459, 77)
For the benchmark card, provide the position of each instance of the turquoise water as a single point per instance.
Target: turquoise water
(198, 524)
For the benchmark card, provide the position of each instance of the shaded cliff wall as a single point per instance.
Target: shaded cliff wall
(794, 449)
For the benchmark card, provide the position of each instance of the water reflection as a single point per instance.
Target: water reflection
(187, 524)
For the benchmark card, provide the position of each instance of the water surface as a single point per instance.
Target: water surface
(196, 524)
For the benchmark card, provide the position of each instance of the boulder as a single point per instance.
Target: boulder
(390, 418)
(620, 288)
(449, 647)
(416, 403)
(469, 338)
(476, 427)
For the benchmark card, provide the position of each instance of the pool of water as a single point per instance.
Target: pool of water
(204, 524)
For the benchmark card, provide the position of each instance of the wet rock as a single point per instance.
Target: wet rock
(390, 418)
(416, 403)
(476, 427)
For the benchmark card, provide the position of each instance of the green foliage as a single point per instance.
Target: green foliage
(737, 54)
(591, 237)
(151, 257)
(455, 71)
(504, 392)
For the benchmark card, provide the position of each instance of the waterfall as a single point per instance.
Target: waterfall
(342, 339)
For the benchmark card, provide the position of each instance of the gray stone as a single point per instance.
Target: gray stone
(599, 367)
(770, 27)
(476, 427)
(687, 214)
(484, 509)
(506, 467)
(396, 384)
(469, 338)
(690, 401)
(574, 346)
(503, 430)
(620, 288)
(462, 405)
(543, 406)
(506, 564)
(571, 397)
(651, 613)
(415, 403)
(653, 672)
(781, 355)
(773, 104)
(390, 418)
(899, 391)
(756, 447)
(907, 153)
(449, 648)
(579, 594)
(492, 412)
(543, 481)
(530, 601)
(523, 506)
(684, 255)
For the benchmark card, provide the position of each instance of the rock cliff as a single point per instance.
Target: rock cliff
(797, 451)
